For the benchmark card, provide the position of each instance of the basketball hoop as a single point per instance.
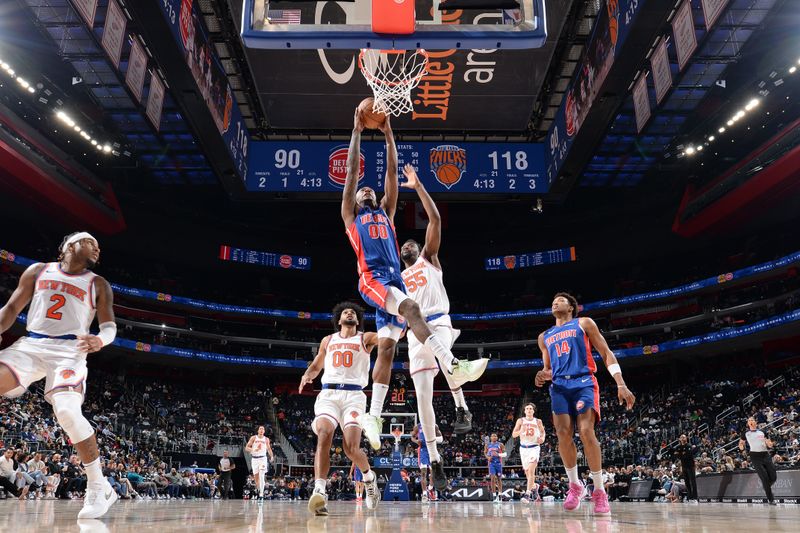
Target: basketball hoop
(392, 75)
(398, 433)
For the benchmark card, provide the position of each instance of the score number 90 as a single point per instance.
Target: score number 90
(287, 158)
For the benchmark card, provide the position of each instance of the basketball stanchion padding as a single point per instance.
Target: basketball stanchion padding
(393, 16)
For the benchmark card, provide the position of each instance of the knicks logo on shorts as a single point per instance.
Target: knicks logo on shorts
(337, 166)
(579, 405)
(448, 164)
(354, 414)
(68, 373)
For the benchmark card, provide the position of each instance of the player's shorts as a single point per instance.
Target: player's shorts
(529, 454)
(357, 475)
(419, 356)
(30, 360)
(575, 395)
(495, 468)
(341, 407)
(385, 292)
(259, 463)
(423, 458)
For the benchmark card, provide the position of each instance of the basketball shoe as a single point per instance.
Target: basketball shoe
(525, 498)
(372, 426)
(439, 477)
(600, 500)
(99, 497)
(317, 504)
(464, 371)
(463, 423)
(574, 496)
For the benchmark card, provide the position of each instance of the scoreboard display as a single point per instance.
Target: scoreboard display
(550, 257)
(456, 167)
(267, 259)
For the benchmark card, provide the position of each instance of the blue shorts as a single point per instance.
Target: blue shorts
(495, 468)
(374, 286)
(575, 396)
(422, 456)
(357, 475)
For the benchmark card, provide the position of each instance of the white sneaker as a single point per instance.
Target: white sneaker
(372, 492)
(465, 371)
(317, 503)
(99, 498)
(372, 426)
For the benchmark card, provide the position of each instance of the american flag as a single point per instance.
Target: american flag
(283, 16)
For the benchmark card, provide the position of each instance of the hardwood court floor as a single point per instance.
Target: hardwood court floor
(480, 517)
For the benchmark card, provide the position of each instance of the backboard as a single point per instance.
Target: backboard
(289, 24)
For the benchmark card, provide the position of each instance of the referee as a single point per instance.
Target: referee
(685, 452)
(759, 445)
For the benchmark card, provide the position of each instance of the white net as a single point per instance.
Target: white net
(392, 74)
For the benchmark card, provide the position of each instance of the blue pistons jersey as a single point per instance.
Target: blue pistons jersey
(570, 350)
(373, 238)
(493, 450)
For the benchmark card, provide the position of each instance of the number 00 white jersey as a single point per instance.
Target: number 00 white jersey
(425, 285)
(62, 304)
(346, 361)
(529, 432)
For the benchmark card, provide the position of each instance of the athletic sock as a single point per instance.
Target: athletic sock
(369, 475)
(320, 485)
(597, 477)
(433, 451)
(94, 474)
(379, 391)
(572, 474)
(458, 396)
(439, 350)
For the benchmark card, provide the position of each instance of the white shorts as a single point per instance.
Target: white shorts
(58, 361)
(259, 463)
(341, 407)
(419, 356)
(529, 455)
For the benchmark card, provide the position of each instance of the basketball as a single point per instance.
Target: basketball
(372, 120)
(448, 174)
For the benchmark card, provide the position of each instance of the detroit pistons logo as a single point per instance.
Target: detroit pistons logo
(579, 405)
(68, 373)
(448, 164)
(286, 261)
(337, 166)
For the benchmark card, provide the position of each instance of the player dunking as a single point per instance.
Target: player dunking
(494, 452)
(64, 297)
(259, 447)
(530, 431)
(370, 228)
(424, 461)
(344, 356)
(423, 279)
(358, 480)
(567, 354)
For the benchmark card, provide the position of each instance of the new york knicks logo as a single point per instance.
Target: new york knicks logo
(510, 261)
(67, 373)
(354, 414)
(448, 164)
(337, 166)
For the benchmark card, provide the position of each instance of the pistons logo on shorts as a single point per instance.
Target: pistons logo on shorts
(579, 405)
(67, 373)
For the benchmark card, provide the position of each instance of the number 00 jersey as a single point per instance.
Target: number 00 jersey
(62, 304)
(425, 285)
(346, 361)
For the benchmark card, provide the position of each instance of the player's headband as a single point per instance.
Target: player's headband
(75, 238)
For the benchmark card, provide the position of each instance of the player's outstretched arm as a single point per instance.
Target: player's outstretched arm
(269, 451)
(517, 429)
(541, 431)
(353, 170)
(249, 446)
(105, 317)
(21, 296)
(316, 365)
(545, 374)
(389, 200)
(370, 340)
(598, 341)
(433, 234)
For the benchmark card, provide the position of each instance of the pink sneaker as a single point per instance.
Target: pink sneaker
(574, 496)
(600, 500)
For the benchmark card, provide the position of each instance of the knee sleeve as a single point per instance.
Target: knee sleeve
(67, 408)
(394, 297)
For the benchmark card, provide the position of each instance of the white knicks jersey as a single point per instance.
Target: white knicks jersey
(346, 361)
(259, 446)
(62, 304)
(529, 432)
(425, 285)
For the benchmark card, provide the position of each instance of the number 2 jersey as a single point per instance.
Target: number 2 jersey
(425, 285)
(570, 350)
(346, 361)
(62, 303)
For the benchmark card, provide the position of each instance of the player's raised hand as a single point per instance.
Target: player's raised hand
(386, 127)
(542, 377)
(626, 397)
(89, 343)
(411, 177)
(305, 380)
(358, 122)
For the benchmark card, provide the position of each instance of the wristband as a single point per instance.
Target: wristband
(614, 369)
(108, 332)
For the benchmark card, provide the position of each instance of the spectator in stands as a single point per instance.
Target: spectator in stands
(8, 475)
